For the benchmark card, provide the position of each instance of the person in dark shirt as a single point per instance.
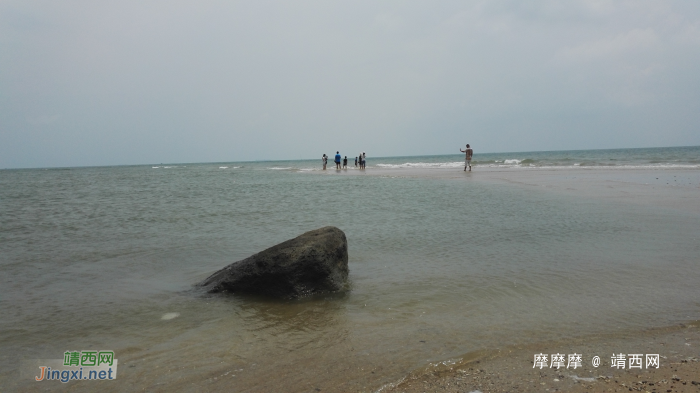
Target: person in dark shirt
(468, 157)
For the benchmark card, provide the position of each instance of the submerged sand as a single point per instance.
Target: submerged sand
(663, 187)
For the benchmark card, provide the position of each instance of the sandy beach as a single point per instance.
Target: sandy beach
(511, 369)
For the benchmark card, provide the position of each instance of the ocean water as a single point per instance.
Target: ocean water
(106, 258)
(654, 158)
(657, 158)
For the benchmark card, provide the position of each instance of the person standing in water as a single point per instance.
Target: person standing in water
(324, 159)
(337, 160)
(355, 162)
(345, 162)
(363, 161)
(468, 158)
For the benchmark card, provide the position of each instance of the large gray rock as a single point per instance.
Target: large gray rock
(314, 262)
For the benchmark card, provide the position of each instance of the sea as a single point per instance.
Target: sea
(107, 258)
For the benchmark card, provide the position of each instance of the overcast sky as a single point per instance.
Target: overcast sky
(138, 82)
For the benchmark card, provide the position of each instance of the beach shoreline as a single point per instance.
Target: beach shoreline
(511, 369)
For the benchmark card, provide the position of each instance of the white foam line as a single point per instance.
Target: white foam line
(423, 165)
(577, 378)
(391, 385)
(534, 166)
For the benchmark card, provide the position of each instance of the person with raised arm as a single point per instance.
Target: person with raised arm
(468, 158)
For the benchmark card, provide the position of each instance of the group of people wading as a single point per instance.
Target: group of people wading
(362, 160)
(358, 160)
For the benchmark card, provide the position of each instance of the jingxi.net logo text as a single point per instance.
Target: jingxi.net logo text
(79, 365)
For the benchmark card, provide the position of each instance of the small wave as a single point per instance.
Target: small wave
(663, 166)
(274, 168)
(512, 162)
(438, 367)
(155, 167)
(596, 166)
(223, 167)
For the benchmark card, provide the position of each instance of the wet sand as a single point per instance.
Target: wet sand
(511, 369)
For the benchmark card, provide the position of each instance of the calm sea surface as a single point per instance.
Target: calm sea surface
(94, 258)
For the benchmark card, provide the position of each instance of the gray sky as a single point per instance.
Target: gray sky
(132, 82)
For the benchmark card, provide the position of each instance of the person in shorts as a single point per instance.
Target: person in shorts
(468, 157)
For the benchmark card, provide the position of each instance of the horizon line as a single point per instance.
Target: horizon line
(309, 159)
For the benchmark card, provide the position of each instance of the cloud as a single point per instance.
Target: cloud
(620, 45)
(388, 22)
(43, 120)
(226, 81)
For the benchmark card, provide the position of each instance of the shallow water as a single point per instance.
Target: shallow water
(105, 258)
